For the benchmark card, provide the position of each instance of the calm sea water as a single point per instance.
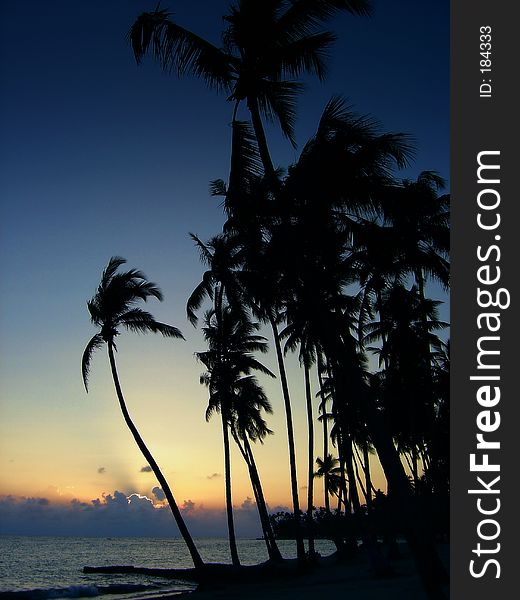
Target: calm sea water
(41, 568)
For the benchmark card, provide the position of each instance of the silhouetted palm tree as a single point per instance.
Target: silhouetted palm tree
(266, 47)
(263, 287)
(329, 469)
(248, 424)
(408, 333)
(325, 395)
(420, 218)
(299, 334)
(112, 307)
(255, 284)
(231, 341)
(344, 173)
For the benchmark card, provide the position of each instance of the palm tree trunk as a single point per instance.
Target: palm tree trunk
(415, 468)
(421, 545)
(229, 499)
(340, 498)
(310, 488)
(377, 560)
(428, 563)
(272, 547)
(194, 553)
(300, 548)
(343, 478)
(368, 479)
(419, 276)
(247, 454)
(358, 476)
(367, 487)
(352, 486)
(325, 434)
(381, 320)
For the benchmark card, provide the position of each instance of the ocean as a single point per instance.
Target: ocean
(41, 568)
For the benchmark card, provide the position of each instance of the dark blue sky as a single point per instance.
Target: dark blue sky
(88, 134)
(101, 157)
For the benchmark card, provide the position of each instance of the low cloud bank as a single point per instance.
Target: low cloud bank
(120, 514)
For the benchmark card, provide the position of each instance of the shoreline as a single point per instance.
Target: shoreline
(352, 578)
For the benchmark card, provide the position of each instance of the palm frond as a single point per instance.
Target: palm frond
(245, 162)
(277, 100)
(203, 290)
(431, 179)
(113, 306)
(94, 344)
(140, 321)
(96, 314)
(113, 264)
(205, 379)
(214, 406)
(145, 289)
(306, 55)
(204, 252)
(178, 49)
(217, 187)
(251, 363)
(305, 15)
(399, 147)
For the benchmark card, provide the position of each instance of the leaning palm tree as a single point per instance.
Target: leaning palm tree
(231, 341)
(249, 425)
(112, 307)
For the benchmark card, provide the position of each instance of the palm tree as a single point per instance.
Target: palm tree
(256, 284)
(343, 173)
(305, 239)
(323, 417)
(298, 335)
(263, 289)
(248, 424)
(329, 469)
(420, 218)
(266, 47)
(221, 254)
(231, 342)
(112, 307)
(408, 334)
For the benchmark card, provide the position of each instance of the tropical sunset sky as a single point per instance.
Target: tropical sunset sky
(101, 157)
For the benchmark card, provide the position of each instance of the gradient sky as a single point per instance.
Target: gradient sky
(100, 157)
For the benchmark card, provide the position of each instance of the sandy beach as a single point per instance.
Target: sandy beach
(353, 579)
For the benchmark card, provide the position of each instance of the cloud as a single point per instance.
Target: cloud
(188, 506)
(38, 501)
(146, 469)
(101, 470)
(158, 493)
(248, 504)
(120, 514)
(214, 476)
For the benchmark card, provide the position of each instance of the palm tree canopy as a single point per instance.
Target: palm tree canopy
(326, 465)
(329, 468)
(355, 161)
(231, 341)
(114, 306)
(229, 361)
(266, 46)
(421, 220)
(222, 255)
